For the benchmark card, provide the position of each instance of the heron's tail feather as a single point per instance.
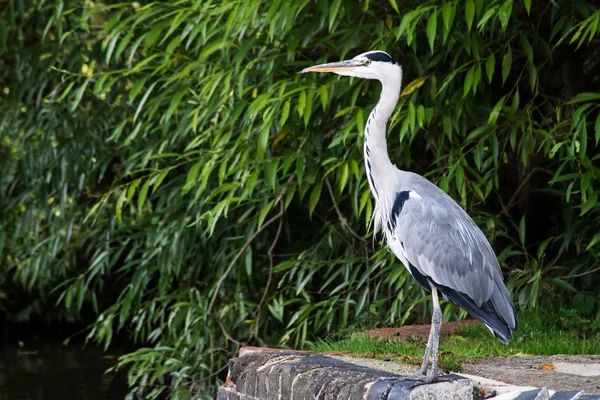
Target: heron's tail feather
(497, 314)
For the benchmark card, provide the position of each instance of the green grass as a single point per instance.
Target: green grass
(537, 335)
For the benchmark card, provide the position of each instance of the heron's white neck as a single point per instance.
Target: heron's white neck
(377, 160)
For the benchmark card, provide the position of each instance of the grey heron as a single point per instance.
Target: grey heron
(435, 239)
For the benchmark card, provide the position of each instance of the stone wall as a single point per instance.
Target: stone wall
(269, 374)
(285, 375)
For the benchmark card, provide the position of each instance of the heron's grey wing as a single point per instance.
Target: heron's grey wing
(438, 238)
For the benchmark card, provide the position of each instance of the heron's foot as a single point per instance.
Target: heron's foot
(421, 378)
(431, 378)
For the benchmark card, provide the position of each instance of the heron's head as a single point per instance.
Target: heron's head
(370, 65)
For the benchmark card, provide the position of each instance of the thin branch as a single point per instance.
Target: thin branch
(512, 222)
(237, 257)
(271, 264)
(227, 335)
(514, 197)
(340, 215)
(580, 274)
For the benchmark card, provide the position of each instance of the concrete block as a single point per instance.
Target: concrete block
(457, 389)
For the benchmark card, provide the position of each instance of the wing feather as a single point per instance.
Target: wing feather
(438, 238)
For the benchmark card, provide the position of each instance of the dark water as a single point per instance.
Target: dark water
(56, 372)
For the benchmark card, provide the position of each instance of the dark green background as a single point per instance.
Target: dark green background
(166, 174)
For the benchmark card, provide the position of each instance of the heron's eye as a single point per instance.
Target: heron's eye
(367, 62)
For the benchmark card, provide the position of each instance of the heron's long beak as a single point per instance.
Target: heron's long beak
(340, 66)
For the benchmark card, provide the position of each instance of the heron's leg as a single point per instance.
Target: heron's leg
(436, 324)
(423, 370)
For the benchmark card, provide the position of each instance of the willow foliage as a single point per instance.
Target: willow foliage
(166, 172)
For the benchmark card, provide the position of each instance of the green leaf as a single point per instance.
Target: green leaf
(460, 176)
(355, 170)
(300, 163)
(154, 35)
(363, 201)
(270, 171)
(468, 81)
(175, 100)
(360, 121)
(132, 187)
(563, 285)
(65, 92)
(99, 85)
(315, 195)
(476, 78)
(420, 115)
(119, 204)
(581, 97)
(522, 230)
(285, 113)
(123, 44)
(527, 4)
(589, 203)
(195, 121)
(111, 47)
(344, 177)
(488, 14)
(159, 178)
(136, 89)
(344, 111)
(263, 140)
(333, 12)
(142, 195)
(448, 13)
(192, 176)
(248, 261)
(308, 109)
(554, 149)
(394, 6)
(478, 191)
(323, 94)
(469, 13)
(301, 103)
(506, 65)
(432, 29)
(496, 111)
(93, 210)
(264, 212)
(490, 64)
(78, 96)
(504, 13)
(141, 105)
(595, 240)
(597, 129)
(527, 49)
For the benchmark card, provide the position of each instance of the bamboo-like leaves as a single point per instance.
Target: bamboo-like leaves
(172, 150)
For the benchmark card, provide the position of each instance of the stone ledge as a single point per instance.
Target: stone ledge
(265, 375)
(272, 374)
